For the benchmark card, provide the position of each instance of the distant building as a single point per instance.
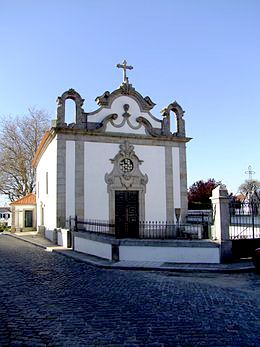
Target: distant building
(5, 216)
(24, 213)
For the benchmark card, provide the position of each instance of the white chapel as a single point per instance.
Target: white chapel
(118, 163)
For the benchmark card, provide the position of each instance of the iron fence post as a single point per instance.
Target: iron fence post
(253, 219)
(76, 224)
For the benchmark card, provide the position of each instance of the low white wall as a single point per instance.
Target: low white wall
(170, 254)
(50, 235)
(99, 249)
(63, 237)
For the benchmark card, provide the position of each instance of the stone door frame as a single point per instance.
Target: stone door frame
(129, 180)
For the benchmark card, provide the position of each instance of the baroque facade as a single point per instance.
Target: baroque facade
(119, 163)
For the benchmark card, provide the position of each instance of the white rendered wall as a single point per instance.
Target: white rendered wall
(100, 249)
(170, 254)
(47, 163)
(154, 166)
(70, 178)
(97, 164)
(176, 177)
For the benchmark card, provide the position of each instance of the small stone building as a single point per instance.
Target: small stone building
(24, 213)
(118, 163)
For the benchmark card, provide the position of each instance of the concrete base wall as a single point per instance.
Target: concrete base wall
(57, 236)
(170, 254)
(51, 235)
(175, 251)
(62, 237)
(99, 249)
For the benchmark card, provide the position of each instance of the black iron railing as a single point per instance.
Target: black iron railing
(142, 230)
(92, 225)
(170, 230)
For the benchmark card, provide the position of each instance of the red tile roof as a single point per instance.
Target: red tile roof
(29, 199)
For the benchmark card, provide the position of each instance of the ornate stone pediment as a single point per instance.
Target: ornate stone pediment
(106, 99)
(134, 123)
(136, 118)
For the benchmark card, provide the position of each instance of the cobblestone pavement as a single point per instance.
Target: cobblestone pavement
(47, 299)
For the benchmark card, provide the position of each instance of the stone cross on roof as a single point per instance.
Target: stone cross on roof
(250, 172)
(125, 67)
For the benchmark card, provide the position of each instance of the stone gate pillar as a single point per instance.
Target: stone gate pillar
(220, 230)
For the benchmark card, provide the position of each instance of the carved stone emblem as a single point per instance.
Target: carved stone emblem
(126, 172)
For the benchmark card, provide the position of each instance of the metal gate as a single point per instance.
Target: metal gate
(244, 228)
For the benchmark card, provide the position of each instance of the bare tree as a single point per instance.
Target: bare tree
(250, 187)
(19, 139)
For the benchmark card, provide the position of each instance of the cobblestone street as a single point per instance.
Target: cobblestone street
(47, 299)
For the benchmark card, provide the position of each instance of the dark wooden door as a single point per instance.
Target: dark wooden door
(127, 214)
(28, 219)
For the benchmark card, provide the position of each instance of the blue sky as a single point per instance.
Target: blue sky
(204, 54)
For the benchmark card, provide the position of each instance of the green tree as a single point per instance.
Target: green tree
(200, 192)
(19, 139)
